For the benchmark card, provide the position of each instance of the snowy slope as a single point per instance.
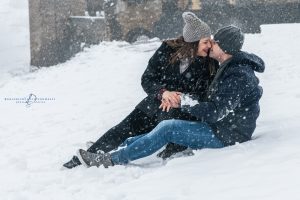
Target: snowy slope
(100, 86)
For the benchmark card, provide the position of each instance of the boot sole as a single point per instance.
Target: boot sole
(81, 159)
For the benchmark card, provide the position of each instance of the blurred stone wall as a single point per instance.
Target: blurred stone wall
(51, 31)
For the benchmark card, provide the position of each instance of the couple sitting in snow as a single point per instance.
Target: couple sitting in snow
(192, 102)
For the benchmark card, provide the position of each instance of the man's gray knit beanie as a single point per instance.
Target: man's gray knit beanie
(230, 39)
(194, 28)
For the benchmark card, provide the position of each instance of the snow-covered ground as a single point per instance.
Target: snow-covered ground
(99, 87)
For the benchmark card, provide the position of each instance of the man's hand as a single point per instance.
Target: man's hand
(170, 100)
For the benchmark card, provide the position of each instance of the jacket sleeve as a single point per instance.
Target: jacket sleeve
(227, 97)
(151, 78)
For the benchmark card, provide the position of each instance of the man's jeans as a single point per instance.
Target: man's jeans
(196, 135)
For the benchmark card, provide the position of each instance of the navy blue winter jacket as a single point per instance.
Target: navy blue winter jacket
(232, 105)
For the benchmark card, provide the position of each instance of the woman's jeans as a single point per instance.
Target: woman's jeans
(196, 135)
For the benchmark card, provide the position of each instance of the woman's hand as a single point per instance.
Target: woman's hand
(172, 97)
(170, 100)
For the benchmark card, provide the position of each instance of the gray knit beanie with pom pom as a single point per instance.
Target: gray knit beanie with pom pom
(194, 28)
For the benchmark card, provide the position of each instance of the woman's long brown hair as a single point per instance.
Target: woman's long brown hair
(183, 49)
(188, 50)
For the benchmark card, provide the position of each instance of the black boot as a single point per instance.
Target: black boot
(74, 162)
(170, 150)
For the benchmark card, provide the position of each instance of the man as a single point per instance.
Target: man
(232, 101)
(228, 115)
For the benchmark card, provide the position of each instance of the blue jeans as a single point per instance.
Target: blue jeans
(196, 135)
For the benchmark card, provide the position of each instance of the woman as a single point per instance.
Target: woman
(180, 65)
(227, 116)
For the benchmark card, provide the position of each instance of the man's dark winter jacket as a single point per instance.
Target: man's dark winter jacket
(161, 75)
(232, 105)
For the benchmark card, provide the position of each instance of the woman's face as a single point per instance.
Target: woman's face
(204, 47)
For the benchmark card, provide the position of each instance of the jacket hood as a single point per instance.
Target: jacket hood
(256, 63)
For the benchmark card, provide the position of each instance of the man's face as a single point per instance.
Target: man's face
(216, 52)
(204, 47)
